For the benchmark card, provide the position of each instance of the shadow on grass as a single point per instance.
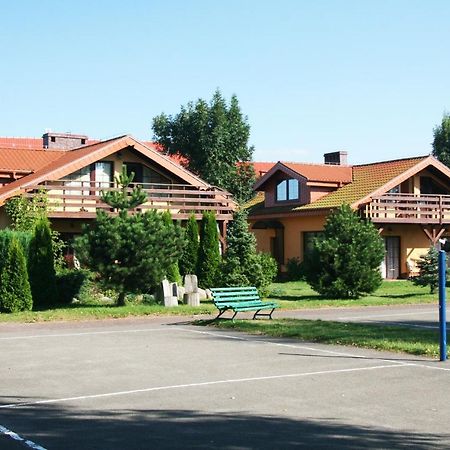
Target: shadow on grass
(62, 426)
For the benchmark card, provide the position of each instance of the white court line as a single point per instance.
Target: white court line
(87, 333)
(368, 316)
(206, 383)
(16, 437)
(316, 349)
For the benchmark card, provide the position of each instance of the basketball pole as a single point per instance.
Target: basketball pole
(442, 308)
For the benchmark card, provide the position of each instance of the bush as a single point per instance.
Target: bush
(15, 292)
(41, 268)
(189, 256)
(73, 284)
(6, 237)
(295, 269)
(345, 262)
(209, 254)
(428, 270)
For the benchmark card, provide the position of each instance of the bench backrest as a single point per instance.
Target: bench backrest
(224, 296)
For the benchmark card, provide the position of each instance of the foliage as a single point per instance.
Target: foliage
(73, 284)
(428, 270)
(15, 292)
(122, 198)
(6, 237)
(41, 266)
(25, 212)
(213, 139)
(208, 253)
(173, 271)
(242, 265)
(346, 259)
(130, 252)
(441, 141)
(294, 269)
(189, 256)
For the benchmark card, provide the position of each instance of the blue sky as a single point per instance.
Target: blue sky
(369, 77)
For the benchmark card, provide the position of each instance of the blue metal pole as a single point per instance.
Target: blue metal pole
(442, 307)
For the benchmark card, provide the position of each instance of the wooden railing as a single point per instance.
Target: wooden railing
(408, 208)
(69, 199)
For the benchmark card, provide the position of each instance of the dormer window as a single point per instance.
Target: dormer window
(287, 190)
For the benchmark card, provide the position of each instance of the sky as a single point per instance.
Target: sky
(316, 76)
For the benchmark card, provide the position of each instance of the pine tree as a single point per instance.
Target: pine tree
(441, 140)
(41, 268)
(346, 260)
(209, 253)
(15, 291)
(173, 271)
(189, 257)
(242, 264)
(130, 252)
(428, 270)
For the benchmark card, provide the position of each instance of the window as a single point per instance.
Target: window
(394, 190)
(80, 178)
(287, 190)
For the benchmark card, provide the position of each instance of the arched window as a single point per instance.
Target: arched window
(288, 190)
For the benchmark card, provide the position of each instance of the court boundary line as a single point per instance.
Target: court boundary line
(16, 437)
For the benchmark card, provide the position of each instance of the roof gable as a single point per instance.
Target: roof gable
(73, 160)
(375, 179)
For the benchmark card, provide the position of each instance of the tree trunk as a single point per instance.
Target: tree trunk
(121, 299)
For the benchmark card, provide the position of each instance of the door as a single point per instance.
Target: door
(392, 257)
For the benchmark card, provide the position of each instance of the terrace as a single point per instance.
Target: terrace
(409, 208)
(81, 199)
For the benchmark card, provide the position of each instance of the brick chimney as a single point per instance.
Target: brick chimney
(336, 158)
(63, 141)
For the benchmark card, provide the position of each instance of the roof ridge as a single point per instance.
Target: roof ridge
(392, 160)
(316, 164)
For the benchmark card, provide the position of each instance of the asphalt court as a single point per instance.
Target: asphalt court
(162, 383)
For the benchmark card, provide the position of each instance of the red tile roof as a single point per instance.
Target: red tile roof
(322, 172)
(261, 168)
(26, 160)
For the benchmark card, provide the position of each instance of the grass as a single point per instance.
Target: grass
(290, 295)
(387, 338)
(298, 295)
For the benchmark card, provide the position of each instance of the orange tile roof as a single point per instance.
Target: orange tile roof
(20, 142)
(262, 168)
(322, 172)
(26, 160)
(367, 178)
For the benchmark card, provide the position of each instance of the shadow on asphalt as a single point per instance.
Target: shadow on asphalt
(355, 357)
(64, 428)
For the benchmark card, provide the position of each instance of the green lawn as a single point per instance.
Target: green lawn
(298, 295)
(290, 295)
(388, 338)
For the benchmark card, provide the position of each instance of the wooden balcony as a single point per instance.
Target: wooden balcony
(81, 200)
(407, 208)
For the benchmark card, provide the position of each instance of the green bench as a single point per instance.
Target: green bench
(240, 299)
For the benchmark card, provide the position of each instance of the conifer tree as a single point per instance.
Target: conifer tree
(346, 260)
(209, 253)
(428, 270)
(15, 291)
(189, 257)
(41, 267)
(173, 271)
(130, 252)
(441, 140)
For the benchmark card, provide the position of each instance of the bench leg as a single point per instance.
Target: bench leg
(257, 313)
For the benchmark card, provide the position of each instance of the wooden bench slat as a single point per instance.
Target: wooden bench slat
(240, 299)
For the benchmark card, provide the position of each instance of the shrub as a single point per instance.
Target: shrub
(428, 270)
(6, 237)
(41, 267)
(345, 262)
(173, 271)
(295, 269)
(15, 292)
(73, 284)
(209, 254)
(189, 256)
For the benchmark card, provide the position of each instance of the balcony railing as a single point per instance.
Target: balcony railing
(408, 208)
(81, 199)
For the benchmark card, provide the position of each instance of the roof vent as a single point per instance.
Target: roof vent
(336, 158)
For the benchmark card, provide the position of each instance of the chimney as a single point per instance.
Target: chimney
(336, 158)
(63, 141)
